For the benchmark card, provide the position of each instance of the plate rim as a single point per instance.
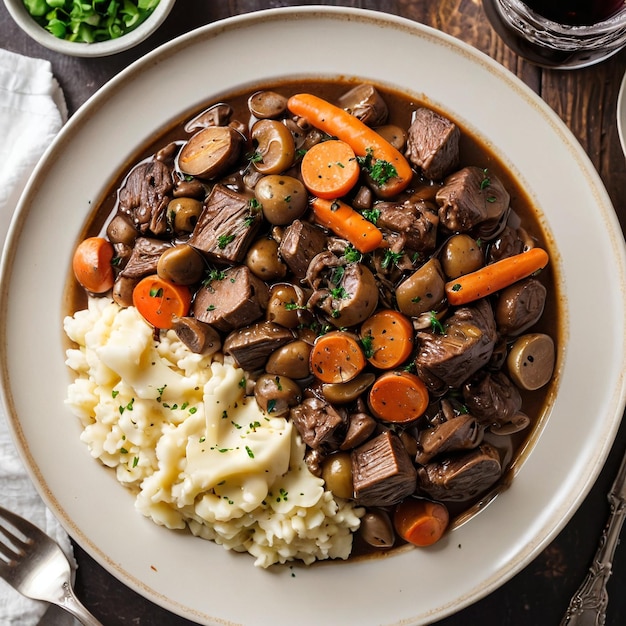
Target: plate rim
(214, 29)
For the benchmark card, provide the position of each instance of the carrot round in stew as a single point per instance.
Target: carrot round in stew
(388, 337)
(398, 397)
(337, 357)
(344, 221)
(329, 169)
(160, 301)
(92, 264)
(365, 141)
(421, 522)
(495, 276)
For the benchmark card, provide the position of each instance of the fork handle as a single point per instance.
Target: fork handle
(73, 605)
(588, 605)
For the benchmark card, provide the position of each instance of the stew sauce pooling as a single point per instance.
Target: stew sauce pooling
(374, 269)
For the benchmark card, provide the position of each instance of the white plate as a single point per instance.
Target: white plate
(198, 579)
(621, 114)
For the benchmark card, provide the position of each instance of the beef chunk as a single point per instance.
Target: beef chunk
(251, 346)
(382, 471)
(433, 144)
(520, 306)
(458, 433)
(233, 300)
(144, 257)
(461, 477)
(449, 359)
(471, 198)
(492, 398)
(320, 425)
(301, 242)
(414, 220)
(144, 197)
(508, 243)
(226, 227)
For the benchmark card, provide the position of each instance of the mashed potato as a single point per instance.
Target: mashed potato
(179, 432)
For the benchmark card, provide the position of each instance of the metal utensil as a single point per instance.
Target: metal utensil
(588, 605)
(34, 564)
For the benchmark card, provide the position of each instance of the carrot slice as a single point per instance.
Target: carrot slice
(329, 169)
(389, 338)
(92, 264)
(421, 522)
(337, 357)
(365, 141)
(495, 276)
(160, 301)
(344, 221)
(398, 397)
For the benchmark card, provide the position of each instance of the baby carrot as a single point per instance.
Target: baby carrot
(329, 169)
(388, 337)
(398, 397)
(365, 141)
(336, 357)
(344, 221)
(420, 522)
(92, 264)
(160, 301)
(495, 276)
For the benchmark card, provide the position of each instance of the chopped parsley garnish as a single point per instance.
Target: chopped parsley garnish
(390, 258)
(380, 171)
(89, 22)
(372, 215)
(366, 344)
(435, 324)
(352, 255)
(224, 240)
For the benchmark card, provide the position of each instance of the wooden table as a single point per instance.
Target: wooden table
(586, 101)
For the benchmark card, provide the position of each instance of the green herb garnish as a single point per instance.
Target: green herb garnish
(90, 22)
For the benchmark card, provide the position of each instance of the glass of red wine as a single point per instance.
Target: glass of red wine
(561, 34)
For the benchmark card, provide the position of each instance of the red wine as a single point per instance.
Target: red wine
(576, 12)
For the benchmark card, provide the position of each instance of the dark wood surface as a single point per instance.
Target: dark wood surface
(586, 100)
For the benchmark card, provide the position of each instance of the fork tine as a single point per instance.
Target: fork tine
(15, 551)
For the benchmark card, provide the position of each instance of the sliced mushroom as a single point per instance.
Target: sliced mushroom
(351, 299)
(292, 360)
(216, 115)
(531, 361)
(376, 529)
(183, 213)
(181, 265)
(337, 474)
(461, 255)
(210, 152)
(276, 394)
(344, 393)
(263, 261)
(267, 104)
(275, 148)
(423, 290)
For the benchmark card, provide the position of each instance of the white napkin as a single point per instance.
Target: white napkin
(32, 111)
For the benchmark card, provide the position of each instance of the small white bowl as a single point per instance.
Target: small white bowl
(28, 24)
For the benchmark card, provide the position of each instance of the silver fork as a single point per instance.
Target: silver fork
(34, 564)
